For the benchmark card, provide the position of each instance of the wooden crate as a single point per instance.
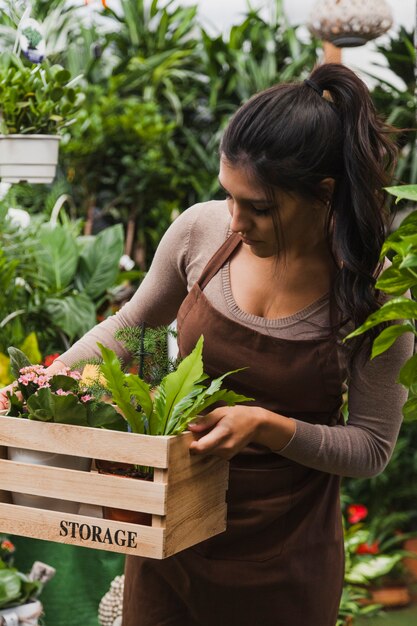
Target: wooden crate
(186, 498)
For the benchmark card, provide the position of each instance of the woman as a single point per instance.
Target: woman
(274, 277)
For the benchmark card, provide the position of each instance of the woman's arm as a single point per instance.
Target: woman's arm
(362, 448)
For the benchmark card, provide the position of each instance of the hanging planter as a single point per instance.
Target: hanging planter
(28, 158)
(36, 105)
(349, 23)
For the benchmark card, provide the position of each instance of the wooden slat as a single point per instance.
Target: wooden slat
(85, 442)
(28, 522)
(88, 487)
(213, 523)
(196, 506)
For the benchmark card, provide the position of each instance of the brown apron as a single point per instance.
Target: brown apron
(280, 561)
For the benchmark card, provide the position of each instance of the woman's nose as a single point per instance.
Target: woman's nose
(239, 218)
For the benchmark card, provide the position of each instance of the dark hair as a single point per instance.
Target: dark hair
(290, 137)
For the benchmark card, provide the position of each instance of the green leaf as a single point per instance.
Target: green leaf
(10, 586)
(178, 384)
(387, 337)
(407, 192)
(115, 382)
(395, 281)
(409, 261)
(97, 271)
(30, 347)
(61, 381)
(408, 373)
(371, 568)
(57, 256)
(74, 314)
(142, 392)
(41, 407)
(69, 410)
(395, 309)
(104, 415)
(18, 360)
(410, 410)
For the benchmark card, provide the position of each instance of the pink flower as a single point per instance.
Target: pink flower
(61, 392)
(86, 398)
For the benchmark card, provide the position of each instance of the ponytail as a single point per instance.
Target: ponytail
(294, 135)
(358, 206)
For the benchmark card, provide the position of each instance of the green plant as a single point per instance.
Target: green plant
(168, 408)
(16, 588)
(39, 100)
(398, 104)
(371, 553)
(62, 397)
(150, 349)
(53, 281)
(395, 281)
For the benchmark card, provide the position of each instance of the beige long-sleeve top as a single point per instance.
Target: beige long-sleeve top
(364, 446)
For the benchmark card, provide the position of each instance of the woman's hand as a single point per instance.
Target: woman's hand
(4, 400)
(226, 431)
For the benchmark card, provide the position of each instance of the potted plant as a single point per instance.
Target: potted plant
(61, 398)
(157, 408)
(19, 592)
(36, 104)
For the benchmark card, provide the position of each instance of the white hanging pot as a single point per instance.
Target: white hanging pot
(35, 457)
(349, 23)
(28, 158)
(27, 614)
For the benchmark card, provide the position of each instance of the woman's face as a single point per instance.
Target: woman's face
(251, 214)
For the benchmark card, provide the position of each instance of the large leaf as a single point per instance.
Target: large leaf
(407, 192)
(387, 337)
(30, 347)
(69, 410)
(395, 280)
(48, 407)
(395, 309)
(204, 402)
(115, 383)
(104, 415)
(99, 261)
(374, 567)
(57, 256)
(10, 586)
(178, 384)
(408, 373)
(18, 360)
(142, 392)
(74, 314)
(410, 410)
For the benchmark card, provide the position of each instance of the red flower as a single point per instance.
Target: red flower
(7, 546)
(356, 513)
(368, 548)
(50, 358)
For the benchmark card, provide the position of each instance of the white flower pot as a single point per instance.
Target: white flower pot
(27, 614)
(28, 158)
(35, 457)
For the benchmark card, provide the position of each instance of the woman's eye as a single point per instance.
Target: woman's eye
(260, 211)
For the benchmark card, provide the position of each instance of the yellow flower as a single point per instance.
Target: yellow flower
(91, 374)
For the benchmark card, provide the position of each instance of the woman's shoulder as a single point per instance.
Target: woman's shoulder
(204, 217)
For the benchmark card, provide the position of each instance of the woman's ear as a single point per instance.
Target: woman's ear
(325, 189)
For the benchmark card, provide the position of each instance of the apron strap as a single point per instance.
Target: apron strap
(218, 259)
